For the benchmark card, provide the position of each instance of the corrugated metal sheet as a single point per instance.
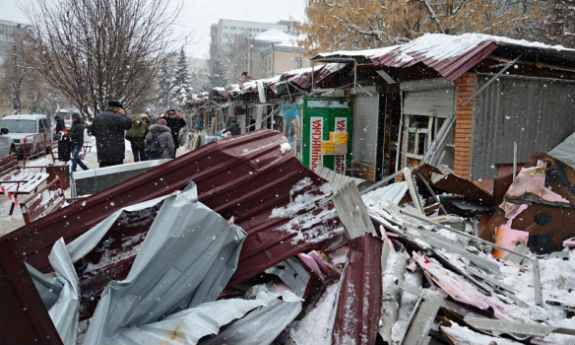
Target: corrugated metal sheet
(360, 295)
(187, 258)
(243, 178)
(565, 151)
(23, 316)
(199, 323)
(452, 61)
(452, 56)
(537, 114)
(451, 67)
(260, 326)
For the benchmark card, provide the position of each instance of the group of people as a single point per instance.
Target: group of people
(147, 140)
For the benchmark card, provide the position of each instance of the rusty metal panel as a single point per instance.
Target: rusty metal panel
(23, 316)
(243, 178)
(451, 183)
(360, 295)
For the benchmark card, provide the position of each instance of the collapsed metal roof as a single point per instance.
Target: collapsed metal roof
(242, 178)
(452, 56)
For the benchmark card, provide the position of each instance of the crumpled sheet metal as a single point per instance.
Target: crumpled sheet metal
(360, 295)
(294, 275)
(64, 309)
(189, 326)
(392, 193)
(242, 178)
(462, 335)
(315, 327)
(462, 291)
(260, 326)
(450, 183)
(187, 258)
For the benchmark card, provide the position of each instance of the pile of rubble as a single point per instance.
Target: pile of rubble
(237, 243)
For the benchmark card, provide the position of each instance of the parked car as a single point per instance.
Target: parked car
(6, 143)
(23, 127)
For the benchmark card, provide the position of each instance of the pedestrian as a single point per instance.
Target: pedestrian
(77, 139)
(137, 136)
(60, 124)
(64, 145)
(146, 121)
(175, 123)
(159, 141)
(108, 128)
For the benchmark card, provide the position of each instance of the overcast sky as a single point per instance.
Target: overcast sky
(197, 16)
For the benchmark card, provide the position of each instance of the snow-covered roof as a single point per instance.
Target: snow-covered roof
(273, 35)
(449, 55)
(369, 53)
(278, 37)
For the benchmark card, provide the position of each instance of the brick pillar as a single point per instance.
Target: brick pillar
(463, 122)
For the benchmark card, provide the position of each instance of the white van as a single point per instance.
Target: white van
(21, 126)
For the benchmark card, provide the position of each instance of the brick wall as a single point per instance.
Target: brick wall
(364, 171)
(463, 122)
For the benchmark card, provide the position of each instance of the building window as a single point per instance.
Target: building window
(298, 62)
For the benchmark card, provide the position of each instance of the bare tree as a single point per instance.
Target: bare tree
(20, 81)
(97, 50)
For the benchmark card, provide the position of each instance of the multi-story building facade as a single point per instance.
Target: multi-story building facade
(261, 49)
(274, 52)
(226, 31)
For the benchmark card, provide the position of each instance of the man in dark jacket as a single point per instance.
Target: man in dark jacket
(175, 123)
(77, 139)
(108, 128)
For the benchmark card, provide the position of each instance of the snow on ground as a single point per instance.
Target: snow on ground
(9, 223)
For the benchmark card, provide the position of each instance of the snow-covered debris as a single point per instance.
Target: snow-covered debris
(285, 148)
(305, 196)
(315, 328)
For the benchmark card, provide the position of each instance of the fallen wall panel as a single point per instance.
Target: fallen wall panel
(243, 178)
(360, 294)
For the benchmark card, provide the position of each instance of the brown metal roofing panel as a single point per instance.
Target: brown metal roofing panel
(393, 59)
(243, 177)
(23, 317)
(360, 294)
(451, 68)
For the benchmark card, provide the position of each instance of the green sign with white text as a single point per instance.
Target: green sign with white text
(321, 116)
